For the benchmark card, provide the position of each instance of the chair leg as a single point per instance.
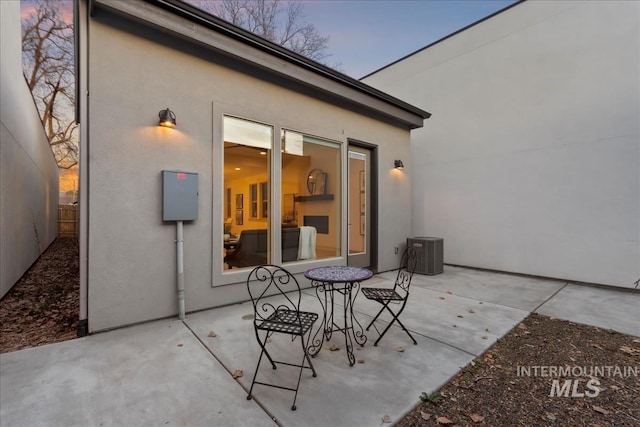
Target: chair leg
(264, 347)
(395, 319)
(305, 356)
(375, 344)
(407, 331)
(262, 352)
(377, 315)
(253, 381)
(295, 396)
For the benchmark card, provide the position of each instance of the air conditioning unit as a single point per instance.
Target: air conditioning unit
(430, 253)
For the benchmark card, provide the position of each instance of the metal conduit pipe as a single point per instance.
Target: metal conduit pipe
(180, 260)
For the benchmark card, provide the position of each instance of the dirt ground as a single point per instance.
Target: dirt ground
(512, 384)
(42, 307)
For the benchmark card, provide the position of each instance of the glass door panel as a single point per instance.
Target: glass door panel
(359, 241)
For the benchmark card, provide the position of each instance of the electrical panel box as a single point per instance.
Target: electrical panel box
(179, 196)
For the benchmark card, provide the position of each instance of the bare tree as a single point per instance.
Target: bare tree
(278, 23)
(48, 66)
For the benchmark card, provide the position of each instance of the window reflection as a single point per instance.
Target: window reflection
(357, 202)
(247, 148)
(311, 187)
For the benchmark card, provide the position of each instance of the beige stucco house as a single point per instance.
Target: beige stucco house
(278, 143)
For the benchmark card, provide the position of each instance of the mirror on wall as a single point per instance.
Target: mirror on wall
(317, 182)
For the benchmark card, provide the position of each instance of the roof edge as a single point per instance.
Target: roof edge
(201, 17)
(473, 24)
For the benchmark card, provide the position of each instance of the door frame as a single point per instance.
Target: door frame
(372, 219)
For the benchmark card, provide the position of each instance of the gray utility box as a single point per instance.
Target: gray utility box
(430, 253)
(179, 196)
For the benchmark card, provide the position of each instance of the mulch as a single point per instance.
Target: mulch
(512, 383)
(43, 306)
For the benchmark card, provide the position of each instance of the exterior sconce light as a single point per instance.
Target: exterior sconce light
(167, 118)
(398, 164)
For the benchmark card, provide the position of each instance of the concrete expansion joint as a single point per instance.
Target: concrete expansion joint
(228, 369)
(535, 310)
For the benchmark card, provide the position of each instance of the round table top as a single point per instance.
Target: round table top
(338, 274)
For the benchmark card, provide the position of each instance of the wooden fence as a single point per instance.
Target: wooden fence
(67, 220)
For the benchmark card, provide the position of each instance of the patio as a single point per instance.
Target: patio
(173, 373)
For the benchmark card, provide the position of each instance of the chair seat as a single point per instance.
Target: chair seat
(381, 294)
(289, 322)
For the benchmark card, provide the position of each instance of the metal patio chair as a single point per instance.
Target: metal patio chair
(398, 295)
(273, 315)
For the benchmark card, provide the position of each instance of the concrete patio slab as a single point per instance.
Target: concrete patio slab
(154, 374)
(386, 382)
(170, 372)
(463, 323)
(524, 293)
(605, 308)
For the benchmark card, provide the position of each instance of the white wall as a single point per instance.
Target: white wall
(530, 162)
(28, 172)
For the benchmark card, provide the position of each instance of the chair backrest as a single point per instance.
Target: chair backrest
(270, 281)
(407, 268)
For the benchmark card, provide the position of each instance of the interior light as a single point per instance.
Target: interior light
(398, 164)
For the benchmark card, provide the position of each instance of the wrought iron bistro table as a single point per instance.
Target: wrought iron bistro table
(345, 281)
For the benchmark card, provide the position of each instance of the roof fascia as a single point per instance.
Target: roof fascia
(473, 24)
(178, 19)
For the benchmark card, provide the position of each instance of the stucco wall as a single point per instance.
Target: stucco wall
(131, 268)
(530, 162)
(28, 172)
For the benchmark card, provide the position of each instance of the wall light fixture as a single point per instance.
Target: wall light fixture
(398, 164)
(167, 118)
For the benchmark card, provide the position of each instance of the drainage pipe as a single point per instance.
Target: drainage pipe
(81, 23)
(180, 255)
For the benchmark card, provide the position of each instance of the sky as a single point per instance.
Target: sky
(365, 35)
